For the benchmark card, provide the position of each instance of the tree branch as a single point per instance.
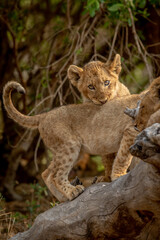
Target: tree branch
(143, 55)
(15, 51)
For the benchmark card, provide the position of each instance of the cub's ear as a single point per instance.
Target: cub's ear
(115, 65)
(74, 73)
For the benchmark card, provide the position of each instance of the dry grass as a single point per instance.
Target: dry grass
(18, 216)
(6, 224)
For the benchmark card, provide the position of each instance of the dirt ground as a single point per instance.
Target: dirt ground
(18, 216)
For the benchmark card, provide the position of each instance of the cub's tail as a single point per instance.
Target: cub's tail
(21, 119)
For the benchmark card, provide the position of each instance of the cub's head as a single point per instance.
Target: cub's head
(96, 81)
(149, 104)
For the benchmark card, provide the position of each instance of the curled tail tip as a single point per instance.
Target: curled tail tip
(14, 85)
(21, 90)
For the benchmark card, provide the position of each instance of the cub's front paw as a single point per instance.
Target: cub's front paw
(76, 181)
(115, 176)
(73, 192)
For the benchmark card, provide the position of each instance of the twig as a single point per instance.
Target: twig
(155, 55)
(122, 42)
(21, 139)
(35, 153)
(129, 73)
(51, 52)
(126, 45)
(126, 69)
(84, 28)
(50, 37)
(68, 13)
(91, 26)
(97, 55)
(78, 45)
(74, 92)
(10, 230)
(59, 60)
(143, 55)
(48, 97)
(38, 89)
(85, 34)
(15, 48)
(10, 223)
(153, 45)
(60, 97)
(94, 47)
(114, 40)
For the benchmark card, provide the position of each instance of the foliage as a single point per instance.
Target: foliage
(32, 206)
(118, 9)
(38, 193)
(98, 161)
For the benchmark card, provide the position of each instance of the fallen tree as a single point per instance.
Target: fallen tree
(127, 208)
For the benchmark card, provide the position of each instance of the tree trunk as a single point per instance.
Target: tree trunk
(127, 208)
(8, 183)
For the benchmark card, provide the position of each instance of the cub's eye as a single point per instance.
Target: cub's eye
(91, 87)
(106, 83)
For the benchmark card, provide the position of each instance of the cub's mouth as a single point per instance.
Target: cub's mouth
(99, 102)
(103, 102)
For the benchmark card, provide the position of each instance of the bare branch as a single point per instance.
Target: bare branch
(35, 153)
(114, 40)
(68, 13)
(15, 48)
(139, 45)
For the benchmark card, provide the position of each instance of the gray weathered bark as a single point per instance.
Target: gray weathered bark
(127, 208)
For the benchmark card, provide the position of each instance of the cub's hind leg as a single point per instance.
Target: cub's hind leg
(56, 175)
(123, 158)
(107, 161)
(47, 176)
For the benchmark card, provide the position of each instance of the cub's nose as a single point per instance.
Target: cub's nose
(103, 102)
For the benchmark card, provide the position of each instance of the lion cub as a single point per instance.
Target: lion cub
(87, 127)
(98, 82)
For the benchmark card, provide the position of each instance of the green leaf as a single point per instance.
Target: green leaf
(122, 59)
(115, 7)
(98, 161)
(79, 51)
(97, 5)
(92, 12)
(92, 7)
(142, 3)
(106, 24)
